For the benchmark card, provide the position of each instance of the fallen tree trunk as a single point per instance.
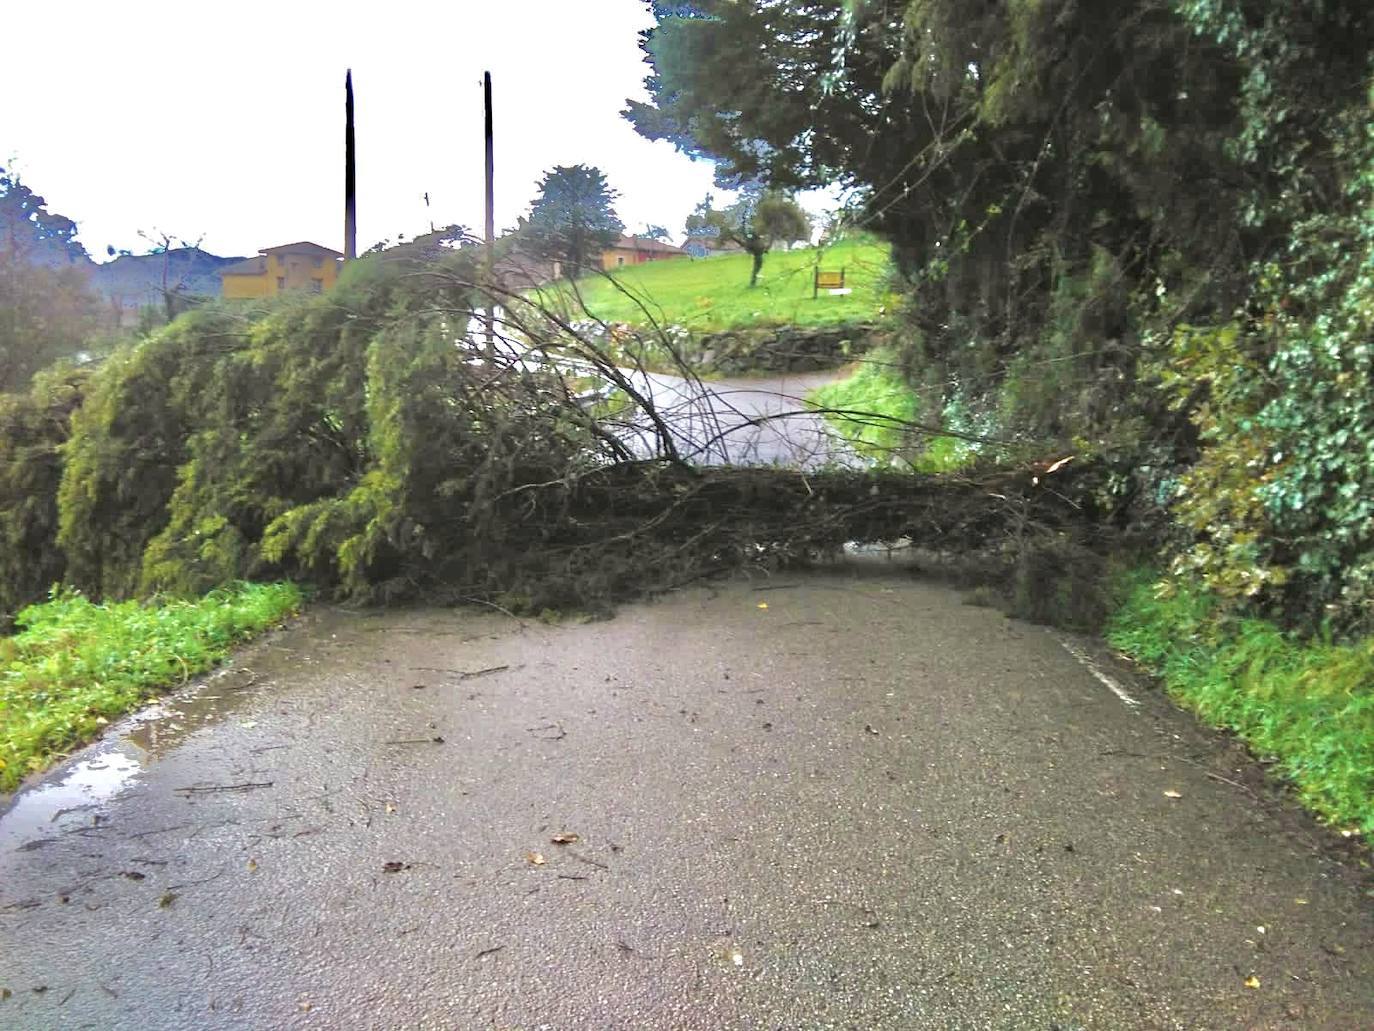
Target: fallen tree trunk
(633, 528)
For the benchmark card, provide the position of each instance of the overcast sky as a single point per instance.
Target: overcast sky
(226, 121)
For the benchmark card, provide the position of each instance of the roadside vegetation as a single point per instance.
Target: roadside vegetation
(874, 406)
(1140, 236)
(1304, 705)
(74, 665)
(1136, 240)
(705, 295)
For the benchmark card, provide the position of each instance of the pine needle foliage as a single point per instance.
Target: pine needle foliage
(346, 439)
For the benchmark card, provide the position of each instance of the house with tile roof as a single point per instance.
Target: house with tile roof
(636, 250)
(275, 270)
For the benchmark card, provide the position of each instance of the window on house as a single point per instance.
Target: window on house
(281, 282)
(319, 262)
(316, 286)
(620, 260)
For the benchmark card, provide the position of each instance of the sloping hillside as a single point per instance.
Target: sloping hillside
(135, 280)
(708, 294)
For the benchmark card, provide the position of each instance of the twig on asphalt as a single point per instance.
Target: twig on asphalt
(208, 788)
(488, 952)
(538, 731)
(584, 859)
(493, 605)
(191, 884)
(1228, 780)
(436, 740)
(483, 672)
(461, 674)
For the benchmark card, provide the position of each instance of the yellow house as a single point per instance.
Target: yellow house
(292, 266)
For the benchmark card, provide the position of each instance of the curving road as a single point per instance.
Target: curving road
(839, 800)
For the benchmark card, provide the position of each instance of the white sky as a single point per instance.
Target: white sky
(226, 120)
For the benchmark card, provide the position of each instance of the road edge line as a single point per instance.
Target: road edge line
(1126, 698)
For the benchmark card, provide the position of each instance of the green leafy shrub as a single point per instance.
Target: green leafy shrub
(33, 428)
(874, 408)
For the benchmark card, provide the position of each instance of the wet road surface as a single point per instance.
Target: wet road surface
(760, 420)
(865, 805)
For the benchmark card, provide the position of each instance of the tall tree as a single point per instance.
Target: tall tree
(29, 231)
(758, 220)
(573, 218)
(47, 308)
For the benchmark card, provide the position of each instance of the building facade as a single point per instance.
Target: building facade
(636, 250)
(293, 266)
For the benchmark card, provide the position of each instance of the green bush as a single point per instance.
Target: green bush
(33, 428)
(874, 408)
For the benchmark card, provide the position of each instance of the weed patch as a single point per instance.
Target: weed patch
(1309, 704)
(75, 665)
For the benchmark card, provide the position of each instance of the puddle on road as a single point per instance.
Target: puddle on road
(73, 794)
(41, 813)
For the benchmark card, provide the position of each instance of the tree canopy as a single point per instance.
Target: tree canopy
(1135, 228)
(47, 307)
(757, 220)
(573, 218)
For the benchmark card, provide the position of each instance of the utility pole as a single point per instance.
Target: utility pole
(350, 174)
(491, 222)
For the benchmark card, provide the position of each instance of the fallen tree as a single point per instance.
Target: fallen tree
(365, 442)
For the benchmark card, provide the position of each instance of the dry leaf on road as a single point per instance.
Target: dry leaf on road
(565, 838)
(535, 858)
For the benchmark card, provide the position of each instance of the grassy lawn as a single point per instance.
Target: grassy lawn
(709, 294)
(74, 665)
(1307, 703)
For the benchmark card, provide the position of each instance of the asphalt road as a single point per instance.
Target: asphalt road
(761, 420)
(865, 805)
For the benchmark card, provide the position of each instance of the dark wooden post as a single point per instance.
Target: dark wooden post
(350, 174)
(490, 219)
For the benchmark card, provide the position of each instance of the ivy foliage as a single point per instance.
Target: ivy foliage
(1281, 498)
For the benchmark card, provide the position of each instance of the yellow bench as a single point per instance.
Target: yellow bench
(827, 281)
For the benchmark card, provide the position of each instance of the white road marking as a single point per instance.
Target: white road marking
(1091, 667)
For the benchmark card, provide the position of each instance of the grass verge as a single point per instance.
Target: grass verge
(75, 665)
(868, 410)
(706, 295)
(1309, 704)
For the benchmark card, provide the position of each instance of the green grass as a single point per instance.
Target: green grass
(1308, 703)
(875, 401)
(75, 665)
(710, 294)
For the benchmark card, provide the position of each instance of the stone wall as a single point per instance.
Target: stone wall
(782, 348)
